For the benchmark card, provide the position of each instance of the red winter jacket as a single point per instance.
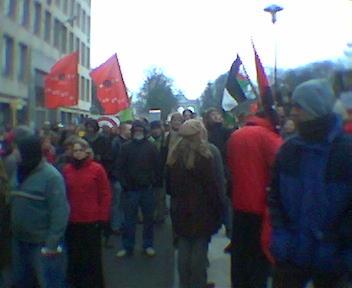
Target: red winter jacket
(251, 152)
(88, 191)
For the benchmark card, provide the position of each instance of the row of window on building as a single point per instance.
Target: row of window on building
(8, 59)
(76, 14)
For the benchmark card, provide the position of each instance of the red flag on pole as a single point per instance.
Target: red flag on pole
(266, 96)
(111, 89)
(61, 84)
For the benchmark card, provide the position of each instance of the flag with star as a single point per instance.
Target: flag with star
(110, 87)
(61, 84)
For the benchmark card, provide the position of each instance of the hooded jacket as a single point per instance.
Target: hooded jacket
(311, 202)
(251, 151)
(88, 192)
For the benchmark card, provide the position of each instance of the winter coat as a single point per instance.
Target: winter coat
(196, 198)
(311, 203)
(88, 191)
(251, 151)
(139, 165)
(39, 209)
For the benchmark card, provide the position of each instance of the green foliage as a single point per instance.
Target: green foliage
(157, 92)
(212, 95)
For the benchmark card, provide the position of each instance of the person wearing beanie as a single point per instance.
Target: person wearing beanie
(39, 215)
(139, 173)
(196, 209)
(310, 197)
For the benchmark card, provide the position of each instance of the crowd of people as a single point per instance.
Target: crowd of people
(284, 197)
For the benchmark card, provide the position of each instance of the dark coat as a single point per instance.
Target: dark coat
(138, 165)
(311, 203)
(195, 196)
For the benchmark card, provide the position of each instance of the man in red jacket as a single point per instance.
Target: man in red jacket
(251, 151)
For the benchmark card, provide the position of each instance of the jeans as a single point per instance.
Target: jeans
(117, 215)
(29, 266)
(143, 198)
(192, 262)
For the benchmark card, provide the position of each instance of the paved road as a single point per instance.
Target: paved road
(139, 271)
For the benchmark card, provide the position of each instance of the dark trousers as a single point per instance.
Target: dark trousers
(249, 266)
(289, 276)
(84, 255)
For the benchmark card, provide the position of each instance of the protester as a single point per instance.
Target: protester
(39, 213)
(289, 129)
(157, 134)
(197, 209)
(187, 114)
(251, 152)
(48, 150)
(89, 195)
(117, 215)
(138, 169)
(310, 197)
(66, 156)
(219, 135)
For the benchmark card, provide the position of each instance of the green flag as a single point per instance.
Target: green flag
(126, 115)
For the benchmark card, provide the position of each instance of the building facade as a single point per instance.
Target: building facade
(34, 34)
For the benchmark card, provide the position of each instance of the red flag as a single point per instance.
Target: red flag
(111, 89)
(61, 84)
(265, 92)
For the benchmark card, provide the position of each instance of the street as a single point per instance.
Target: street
(139, 271)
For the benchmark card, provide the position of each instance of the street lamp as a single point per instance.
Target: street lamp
(273, 10)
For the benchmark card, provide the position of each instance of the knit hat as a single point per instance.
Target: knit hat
(316, 97)
(155, 124)
(140, 124)
(190, 127)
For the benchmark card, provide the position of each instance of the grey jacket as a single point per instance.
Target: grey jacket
(39, 208)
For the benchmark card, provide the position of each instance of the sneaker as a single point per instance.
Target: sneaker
(149, 251)
(123, 253)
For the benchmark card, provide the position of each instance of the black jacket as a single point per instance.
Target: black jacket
(138, 165)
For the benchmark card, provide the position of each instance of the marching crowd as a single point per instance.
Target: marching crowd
(285, 197)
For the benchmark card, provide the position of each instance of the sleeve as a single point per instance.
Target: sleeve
(277, 214)
(105, 194)
(58, 211)
(121, 167)
(157, 167)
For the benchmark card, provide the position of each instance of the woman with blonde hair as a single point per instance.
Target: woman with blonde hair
(89, 196)
(196, 209)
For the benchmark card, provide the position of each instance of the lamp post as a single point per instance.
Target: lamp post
(273, 10)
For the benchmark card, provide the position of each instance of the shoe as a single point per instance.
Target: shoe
(123, 253)
(149, 252)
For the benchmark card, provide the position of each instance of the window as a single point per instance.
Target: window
(58, 3)
(23, 62)
(7, 59)
(77, 45)
(63, 39)
(87, 89)
(88, 26)
(47, 32)
(82, 86)
(83, 53)
(10, 8)
(84, 21)
(88, 58)
(78, 14)
(72, 7)
(71, 42)
(65, 6)
(25, 13)
(57, 34)
(37, 18)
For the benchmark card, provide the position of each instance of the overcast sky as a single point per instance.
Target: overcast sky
(194, 41)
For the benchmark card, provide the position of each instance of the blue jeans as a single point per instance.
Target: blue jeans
(117, 216)
(29, 264)
(143, 198)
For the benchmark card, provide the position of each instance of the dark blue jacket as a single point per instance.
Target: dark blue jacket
(311, 203)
